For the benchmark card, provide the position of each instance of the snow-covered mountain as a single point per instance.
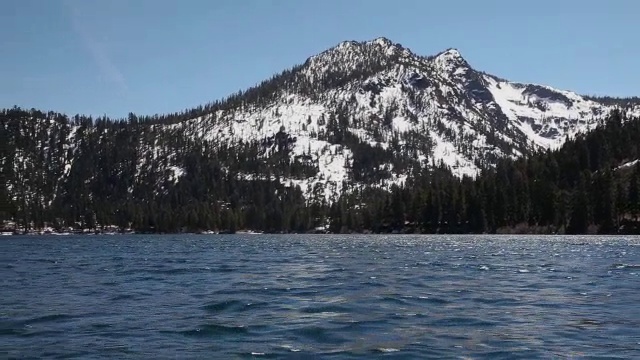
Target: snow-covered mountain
(377, 97)
(359, 115)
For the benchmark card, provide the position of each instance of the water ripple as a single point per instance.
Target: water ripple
(340, 297)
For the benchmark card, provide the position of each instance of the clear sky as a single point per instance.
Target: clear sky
(156, 56)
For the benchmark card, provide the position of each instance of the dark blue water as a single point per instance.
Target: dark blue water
(190, 296)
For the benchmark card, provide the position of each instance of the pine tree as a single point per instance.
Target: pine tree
(633, 204)
(579, 217)
(621, 203)
(607, 217)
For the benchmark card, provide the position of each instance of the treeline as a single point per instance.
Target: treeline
(88, 173)
(615, 101)
(580, 188)
(85, 173)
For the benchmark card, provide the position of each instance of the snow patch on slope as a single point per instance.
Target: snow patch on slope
(628, 164)
(544, 121)
(446, 152)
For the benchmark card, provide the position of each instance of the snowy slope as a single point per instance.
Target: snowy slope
(438, 109)
(544, 114)
(361, 114)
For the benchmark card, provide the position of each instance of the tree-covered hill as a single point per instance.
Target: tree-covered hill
(589, 185)
(364, 136)
(87, 173)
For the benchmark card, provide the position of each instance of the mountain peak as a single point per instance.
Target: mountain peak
(451, 54)
(450, 59)
(381, 41)
(352, 54)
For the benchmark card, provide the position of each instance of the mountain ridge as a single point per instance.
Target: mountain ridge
(382, 80)
(370, 113)
(364, 121)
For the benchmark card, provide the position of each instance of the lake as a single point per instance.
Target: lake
(319, 296)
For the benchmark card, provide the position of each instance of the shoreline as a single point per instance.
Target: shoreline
(209, 233)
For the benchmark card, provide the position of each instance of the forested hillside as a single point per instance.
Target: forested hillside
(590, 185)
(88, 173)
(365, 136)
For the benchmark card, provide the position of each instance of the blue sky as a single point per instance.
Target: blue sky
(156, 56)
